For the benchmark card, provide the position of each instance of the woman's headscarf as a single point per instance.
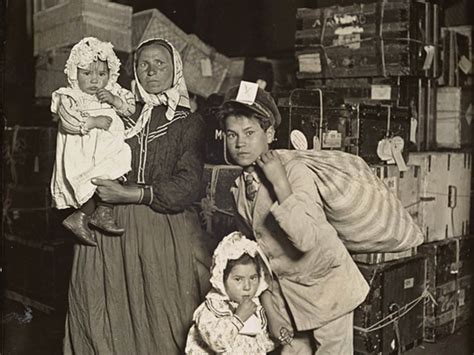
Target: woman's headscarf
(176, 95)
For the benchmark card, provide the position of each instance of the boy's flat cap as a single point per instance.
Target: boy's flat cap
(263, 104)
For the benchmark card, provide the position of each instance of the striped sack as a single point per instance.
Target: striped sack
(366, 214)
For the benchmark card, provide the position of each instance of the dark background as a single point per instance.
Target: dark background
(247, 28)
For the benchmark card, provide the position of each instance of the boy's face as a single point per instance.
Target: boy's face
(93, 78)
(246, 140)
(242, 282)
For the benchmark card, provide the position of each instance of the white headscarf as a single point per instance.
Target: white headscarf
(176, 95)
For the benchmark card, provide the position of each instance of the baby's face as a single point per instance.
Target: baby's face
(95, 77)
(246, 140)
(242, 282)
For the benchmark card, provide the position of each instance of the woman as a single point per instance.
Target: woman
(137, 294)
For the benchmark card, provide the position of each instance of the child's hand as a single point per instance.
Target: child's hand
(245, 309)
(106, 96)
(101, 122)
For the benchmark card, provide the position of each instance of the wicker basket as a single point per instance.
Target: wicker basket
(50, 72)
(204, 68)
(152, 23)
(67, 23)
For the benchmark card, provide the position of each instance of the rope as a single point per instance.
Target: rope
(396, 315)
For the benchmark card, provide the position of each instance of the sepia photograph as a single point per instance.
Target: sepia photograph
(240, 177)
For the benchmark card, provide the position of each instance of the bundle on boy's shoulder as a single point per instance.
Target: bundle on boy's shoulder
(366, 215)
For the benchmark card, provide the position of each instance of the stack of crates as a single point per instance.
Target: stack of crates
(368, 73)
(38, 249)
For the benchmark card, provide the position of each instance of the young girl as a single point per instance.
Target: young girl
(90, 141)
(231, 320)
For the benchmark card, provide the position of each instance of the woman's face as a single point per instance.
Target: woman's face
(155, 68)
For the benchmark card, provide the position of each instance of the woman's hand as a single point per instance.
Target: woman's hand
(274, 171)
(101, 122)
(112, 191)
(245, 309)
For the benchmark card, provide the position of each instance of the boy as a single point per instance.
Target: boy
(316, 284)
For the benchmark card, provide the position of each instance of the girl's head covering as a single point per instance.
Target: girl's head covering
(233, 247)
(88, 50)
(176, 95)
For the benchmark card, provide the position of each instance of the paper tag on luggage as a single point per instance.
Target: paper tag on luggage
(206, 67)
(397, 144)
(430, 52)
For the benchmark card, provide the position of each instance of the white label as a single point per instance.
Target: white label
(298, 140)
(349, 36)
(430, 52)
(465, 65)
(247, 92)
(332, 139)
(206, 67)
(408, 283)
(380, 92)
(397, 144)
(384, 149)
(461, 298)
(468, 114)
(413, 127)
(309, 63)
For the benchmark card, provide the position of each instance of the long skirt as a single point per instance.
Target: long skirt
(135, 294)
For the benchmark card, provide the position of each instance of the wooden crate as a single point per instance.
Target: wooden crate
(454, 117)
(152, 23)
(49, 69)
(68, 22)
(450, 265)
(29, 154)
(457, 56)
(369, 39)
(204, 69)
(393, 286)
(443, 211)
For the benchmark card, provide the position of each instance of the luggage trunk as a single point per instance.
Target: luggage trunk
(450, 265)
(397, 289)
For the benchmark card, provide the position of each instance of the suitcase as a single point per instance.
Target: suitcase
(396, 294)
(38, 273)
(443, 211)
(450, 265)
(313, 119)
(29, 154)
(216, 207)
(379, 38)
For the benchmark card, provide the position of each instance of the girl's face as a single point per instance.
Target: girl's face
(242, 282)
(95, 77)
(246, 140)
(155, 68)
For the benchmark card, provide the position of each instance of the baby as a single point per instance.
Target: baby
(91, 136)
(232, 320)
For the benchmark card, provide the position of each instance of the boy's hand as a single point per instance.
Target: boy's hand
(101, 122)
(106, 96)
(274, 171)
(245, 309)
(271, 166)
(280, 329)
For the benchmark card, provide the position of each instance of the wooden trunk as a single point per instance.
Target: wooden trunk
(443, 211)
(450, 266)
(373, 39)
(393, 285)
